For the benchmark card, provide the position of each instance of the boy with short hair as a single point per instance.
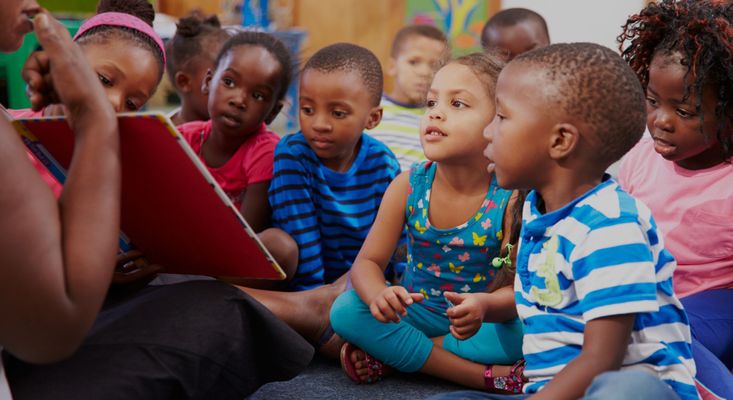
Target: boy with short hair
(329, 179)
(417, 51)
(514, 31)
(593, 284)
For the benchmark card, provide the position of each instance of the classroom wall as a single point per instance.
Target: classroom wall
(597, 21)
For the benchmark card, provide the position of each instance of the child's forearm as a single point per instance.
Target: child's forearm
(499, 305)
(368, 279)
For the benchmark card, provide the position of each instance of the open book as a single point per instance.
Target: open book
(173, 210)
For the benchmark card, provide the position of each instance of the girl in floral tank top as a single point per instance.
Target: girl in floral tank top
(432, 321)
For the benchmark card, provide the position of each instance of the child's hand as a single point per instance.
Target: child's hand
(391, 303)
(60, 73)
(466, 316)
(132, 268)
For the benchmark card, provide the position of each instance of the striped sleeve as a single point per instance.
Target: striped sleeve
(294, 211)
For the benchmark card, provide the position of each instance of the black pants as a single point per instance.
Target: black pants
(192, 340)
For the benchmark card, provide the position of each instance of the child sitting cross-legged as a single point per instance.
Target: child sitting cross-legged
(454, 214)
(594, 279)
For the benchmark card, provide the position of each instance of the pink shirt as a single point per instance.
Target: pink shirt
(45, 174)
(252, 163)
(693, 209)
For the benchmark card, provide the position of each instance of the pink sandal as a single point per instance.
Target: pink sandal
(511, 384)
(377, 369)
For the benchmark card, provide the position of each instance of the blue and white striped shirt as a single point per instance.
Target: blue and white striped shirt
(328, 213)
(599, 256)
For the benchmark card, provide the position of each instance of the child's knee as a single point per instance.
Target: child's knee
(283, 248)
(345, 312)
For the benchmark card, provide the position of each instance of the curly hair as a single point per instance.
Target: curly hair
(702, 32)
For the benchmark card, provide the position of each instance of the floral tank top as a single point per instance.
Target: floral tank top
(456, 259)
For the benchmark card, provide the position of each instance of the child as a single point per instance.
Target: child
(513, 31)
(330, 177)
(191, 53)
(246, 91)
(680, 50)
(417, 51)
(453, 211)
(594, 281)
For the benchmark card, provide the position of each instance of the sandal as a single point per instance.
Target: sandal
(377, 369)
(511, 384)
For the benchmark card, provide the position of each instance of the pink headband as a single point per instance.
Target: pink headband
(122, 20)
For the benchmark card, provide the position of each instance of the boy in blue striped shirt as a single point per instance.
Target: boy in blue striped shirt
(594, 281)
(329, 178)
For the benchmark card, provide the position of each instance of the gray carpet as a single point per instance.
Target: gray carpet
(324, 379)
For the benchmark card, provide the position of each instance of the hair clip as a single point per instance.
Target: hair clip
(498, 262)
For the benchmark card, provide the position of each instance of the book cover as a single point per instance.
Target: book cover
(173, 210)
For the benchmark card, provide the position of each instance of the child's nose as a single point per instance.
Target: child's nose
(321, 123)
(117, 100)
(662, 120)
(238, 100)
(435, 113)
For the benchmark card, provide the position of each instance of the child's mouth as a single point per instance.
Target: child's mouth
(663, 147)
(231, 120)
(433, 133)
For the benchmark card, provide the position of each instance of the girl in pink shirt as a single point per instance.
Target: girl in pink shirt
(682, 52)
(246, 91)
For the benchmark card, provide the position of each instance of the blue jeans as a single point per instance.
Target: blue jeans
(711, 324)
(614, 385)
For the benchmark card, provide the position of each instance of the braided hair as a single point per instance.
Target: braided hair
(702, 32)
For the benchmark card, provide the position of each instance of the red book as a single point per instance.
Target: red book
(173, 210)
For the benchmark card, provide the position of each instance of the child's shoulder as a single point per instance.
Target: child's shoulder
(611, 205)
(378, 152)
(194, 127)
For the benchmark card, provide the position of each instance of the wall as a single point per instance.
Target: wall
(597, 21)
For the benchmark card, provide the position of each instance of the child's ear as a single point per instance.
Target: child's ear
(375, 116)
(392, 66)
(563, 140)
(205, 86)
(275, 110)
(183, 82)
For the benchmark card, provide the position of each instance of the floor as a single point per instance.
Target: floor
(324, 379)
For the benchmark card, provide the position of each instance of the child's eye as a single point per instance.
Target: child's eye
(258, 96)
(339, 114)
(412, 62)
(105, 81)
(499, 117)
(130, 105)
(228, 82)
(652, 101)
(685, 114)
(306, 110)
(431, 103)
(458, 104)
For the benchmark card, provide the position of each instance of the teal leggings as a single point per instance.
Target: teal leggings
(406, 345)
